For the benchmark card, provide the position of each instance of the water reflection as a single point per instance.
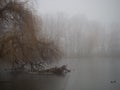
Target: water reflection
(86, 74)
(95, 74)
(25, 81)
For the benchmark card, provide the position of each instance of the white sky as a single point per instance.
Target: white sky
(101, 10)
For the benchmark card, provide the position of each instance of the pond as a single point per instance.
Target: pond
(90, 73)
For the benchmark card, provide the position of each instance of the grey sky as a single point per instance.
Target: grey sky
(100, 10)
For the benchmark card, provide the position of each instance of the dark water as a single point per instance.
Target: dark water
(86, 74)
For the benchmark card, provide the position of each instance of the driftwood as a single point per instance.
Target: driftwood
(56, 70)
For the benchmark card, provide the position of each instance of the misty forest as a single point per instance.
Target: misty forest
(32, 45)
(79, 36)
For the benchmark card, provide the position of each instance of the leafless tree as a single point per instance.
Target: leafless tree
(18, 40)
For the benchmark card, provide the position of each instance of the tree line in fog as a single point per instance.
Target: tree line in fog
(79, 36)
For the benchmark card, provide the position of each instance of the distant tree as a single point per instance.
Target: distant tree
(114, 43)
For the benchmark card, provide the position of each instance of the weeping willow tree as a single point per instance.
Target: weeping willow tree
(18, 40)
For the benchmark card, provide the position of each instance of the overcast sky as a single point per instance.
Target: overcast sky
(100, 10)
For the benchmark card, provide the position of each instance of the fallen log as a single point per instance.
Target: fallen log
(56, 70)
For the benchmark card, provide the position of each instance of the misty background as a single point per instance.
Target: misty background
(82, 27)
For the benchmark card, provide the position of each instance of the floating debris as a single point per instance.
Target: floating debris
(114, 81)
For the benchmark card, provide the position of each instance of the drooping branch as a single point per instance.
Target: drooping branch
(18, 40)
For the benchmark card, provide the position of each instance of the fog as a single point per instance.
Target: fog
(79, 36)
(105, 11)
(82, 27)
(86, 33)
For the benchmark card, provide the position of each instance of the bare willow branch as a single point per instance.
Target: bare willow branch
(18, 40)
